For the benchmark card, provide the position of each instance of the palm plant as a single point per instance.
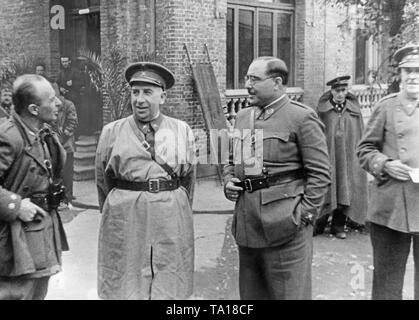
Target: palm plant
(11, 68)
(106, 75)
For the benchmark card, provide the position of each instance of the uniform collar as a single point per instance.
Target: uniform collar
(31, 135)
(409, 107)
(155, 124)
(267, 111)
(350, 105)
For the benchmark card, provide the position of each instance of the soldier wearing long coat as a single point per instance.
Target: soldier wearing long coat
(146, 240)
(347, 196)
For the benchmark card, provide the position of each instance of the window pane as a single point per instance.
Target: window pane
(265, 33)
(284, 40)
(246, 29)
(360, 57)
(230, 48)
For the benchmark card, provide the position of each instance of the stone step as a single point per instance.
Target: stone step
(82, 173)
(84, 158)
(85, 148)
(86, 144)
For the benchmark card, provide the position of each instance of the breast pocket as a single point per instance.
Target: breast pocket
(280, 214)
(277, 145)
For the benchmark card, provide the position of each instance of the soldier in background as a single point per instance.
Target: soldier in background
(6, 103)
(347, 197)
(65, 127)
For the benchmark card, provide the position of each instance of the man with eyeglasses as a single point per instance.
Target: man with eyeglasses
(278, 185)
(347, 197)
(389, 150)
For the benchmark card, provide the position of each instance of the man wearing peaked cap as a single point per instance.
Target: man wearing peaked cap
(340, 112)
(145, 176)
(389, 150)
(150, 72)
(339, 82)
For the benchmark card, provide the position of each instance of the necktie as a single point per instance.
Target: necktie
(149, 137)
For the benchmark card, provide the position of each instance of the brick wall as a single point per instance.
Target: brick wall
(328, 51)
(24, 29)
(193, 23)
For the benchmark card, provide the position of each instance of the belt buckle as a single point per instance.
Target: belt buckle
(248, 185)
(153, 185)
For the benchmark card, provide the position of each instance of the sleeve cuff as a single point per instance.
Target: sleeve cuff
(377, 166)
(9, 206)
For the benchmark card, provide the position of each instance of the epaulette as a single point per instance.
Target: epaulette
(302, 105)
(391, 95)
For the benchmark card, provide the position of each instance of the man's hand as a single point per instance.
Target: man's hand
(29, 210)
(397, 170)
(232, 192)
(69, 83)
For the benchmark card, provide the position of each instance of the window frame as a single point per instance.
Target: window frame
(372, 58)
(256, 8)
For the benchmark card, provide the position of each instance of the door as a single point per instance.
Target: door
(82, 35)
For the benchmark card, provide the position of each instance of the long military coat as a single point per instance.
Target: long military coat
(293, 139)
(349, 187)
(146, 241)
(392, 133)
(33, 248)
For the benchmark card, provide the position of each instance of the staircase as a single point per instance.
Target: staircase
(84, 158)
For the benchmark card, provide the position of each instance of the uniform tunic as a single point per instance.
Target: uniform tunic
(392, 133)
(31, 249)
(293, 139)
(349, 181)
(146, 241)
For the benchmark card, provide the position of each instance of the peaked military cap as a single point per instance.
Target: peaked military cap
(342, 81)
(408, 56)
(150, 72)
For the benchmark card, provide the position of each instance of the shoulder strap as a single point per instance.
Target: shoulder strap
(148, 148)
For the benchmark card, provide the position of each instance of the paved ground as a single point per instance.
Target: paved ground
(342, 269)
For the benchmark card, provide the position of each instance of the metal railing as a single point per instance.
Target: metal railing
(368, 96)
(237, 100)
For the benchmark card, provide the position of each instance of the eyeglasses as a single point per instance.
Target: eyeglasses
(253, 79)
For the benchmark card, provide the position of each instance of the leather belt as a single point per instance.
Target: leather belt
(152, 185)
(253, 184)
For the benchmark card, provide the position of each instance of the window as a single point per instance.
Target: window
(253, 31)
(367, 56)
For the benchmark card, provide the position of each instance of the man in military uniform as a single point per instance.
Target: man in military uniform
(340, 112)
(145, 177)
(389, 150)
(31, 159)
(278, 190)
(65, 127)
(6, 103)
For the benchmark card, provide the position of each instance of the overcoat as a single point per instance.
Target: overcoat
(33, 248)
(293, 139)
(349, 187)
(392, 133)
(146, 240)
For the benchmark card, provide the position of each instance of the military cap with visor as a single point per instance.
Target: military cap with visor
(342, 81)
(407, 56)
(149, 72)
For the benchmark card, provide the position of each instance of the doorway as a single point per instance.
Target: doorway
(81, 36)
